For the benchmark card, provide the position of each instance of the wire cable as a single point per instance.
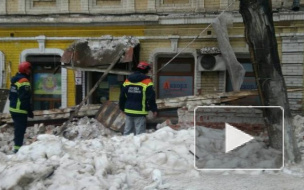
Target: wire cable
(182, 50)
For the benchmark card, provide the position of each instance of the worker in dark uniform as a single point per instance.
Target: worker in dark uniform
(137, 97)
(20, 102)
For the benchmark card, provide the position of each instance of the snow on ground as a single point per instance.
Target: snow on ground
(96, 158)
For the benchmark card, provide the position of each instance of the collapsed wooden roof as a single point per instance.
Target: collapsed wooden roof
(98, 53)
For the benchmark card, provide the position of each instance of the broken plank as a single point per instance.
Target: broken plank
(188, 101)
(111, 116)
(208, 99)
(55, 114)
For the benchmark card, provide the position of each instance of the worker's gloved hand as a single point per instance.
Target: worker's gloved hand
(30, 114)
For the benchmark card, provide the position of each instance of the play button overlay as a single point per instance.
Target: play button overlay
(235, 138)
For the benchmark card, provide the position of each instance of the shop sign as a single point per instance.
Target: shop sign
(175, 86)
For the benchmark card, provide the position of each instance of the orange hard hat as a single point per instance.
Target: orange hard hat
(25, 67)
(143, 65)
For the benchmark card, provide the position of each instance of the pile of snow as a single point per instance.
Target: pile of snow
(99, 159)
(135, 162)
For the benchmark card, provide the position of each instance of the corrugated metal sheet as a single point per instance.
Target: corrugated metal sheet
(110, 116)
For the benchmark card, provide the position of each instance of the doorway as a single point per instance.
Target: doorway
(46, 85)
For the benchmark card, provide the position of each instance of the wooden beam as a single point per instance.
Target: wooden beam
(178, 102)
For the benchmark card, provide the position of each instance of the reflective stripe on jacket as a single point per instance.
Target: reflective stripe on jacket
(20, 96)
(136, 96)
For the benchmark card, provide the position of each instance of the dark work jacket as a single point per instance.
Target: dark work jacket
(20, 94)
(137, 95)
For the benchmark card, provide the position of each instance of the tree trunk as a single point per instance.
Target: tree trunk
(260, 36)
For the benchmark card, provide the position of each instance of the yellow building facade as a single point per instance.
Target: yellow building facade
(173, 36)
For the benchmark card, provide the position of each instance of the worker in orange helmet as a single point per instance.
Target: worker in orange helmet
(137, 98)
(20, 102)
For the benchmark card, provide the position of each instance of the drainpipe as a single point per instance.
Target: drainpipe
(296, 5)
(3, 74)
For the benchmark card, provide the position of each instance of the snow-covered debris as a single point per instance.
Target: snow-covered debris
(80, 130)
(160, 160)
(103, 51)
(210, 147)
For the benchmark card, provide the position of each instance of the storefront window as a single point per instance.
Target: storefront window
(108, 89)
(46, 84)
(176, 79)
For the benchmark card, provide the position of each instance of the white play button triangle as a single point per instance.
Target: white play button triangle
(235, 138)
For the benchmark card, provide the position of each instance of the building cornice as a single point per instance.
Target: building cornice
(133, 19)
